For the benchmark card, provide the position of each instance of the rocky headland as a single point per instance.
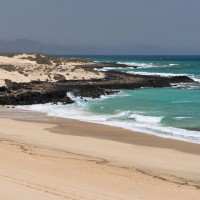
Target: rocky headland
(32, 79)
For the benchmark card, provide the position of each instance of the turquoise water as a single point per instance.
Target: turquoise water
(171, 107)
(154, 65)
(166, 65)
(166, 112)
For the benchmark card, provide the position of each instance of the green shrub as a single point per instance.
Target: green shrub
(9, 68)
(43, 60)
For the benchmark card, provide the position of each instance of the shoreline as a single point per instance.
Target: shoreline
(129, 136)
(82, 128)
(55, 158)
(85, 130)
(49, 157)
(49, 78)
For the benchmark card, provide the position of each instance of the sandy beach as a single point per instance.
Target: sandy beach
(52, 158)
(99, 100)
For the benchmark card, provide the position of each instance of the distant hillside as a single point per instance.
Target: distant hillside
(30, 46)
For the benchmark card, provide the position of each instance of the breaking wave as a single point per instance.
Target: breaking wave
(130, 120)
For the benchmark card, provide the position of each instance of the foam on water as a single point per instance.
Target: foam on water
(136, 68)
(189, 86)
(180, 118)
(137, 121)
(133, 65)
(154, 69)
(146, 119)
(159, 117)
(173, 64)
(140, 65)
(196, 78)
(147, 65)
(113, 68)
(157, 74)
(118, 95)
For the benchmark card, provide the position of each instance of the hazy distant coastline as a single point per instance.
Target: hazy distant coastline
(31, 46)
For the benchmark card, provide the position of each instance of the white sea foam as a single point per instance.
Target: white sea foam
(122, 114)
(137, 121)
(146, 119)
(113, 68)
(180, 118)
(118, 95)
(157, 74)
(131, 65)
(190, 86)
(71, 95)
(147, 65)
(195, 78)
(173, 64)
(139, 65)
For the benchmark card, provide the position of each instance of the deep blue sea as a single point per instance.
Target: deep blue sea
(167, 112)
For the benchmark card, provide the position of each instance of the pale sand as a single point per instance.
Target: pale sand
(36, 164)
(27, 71)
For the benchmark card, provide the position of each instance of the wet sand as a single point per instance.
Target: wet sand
(53, 158)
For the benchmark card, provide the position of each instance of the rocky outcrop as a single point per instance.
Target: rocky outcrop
(37, 92)
(29, 98)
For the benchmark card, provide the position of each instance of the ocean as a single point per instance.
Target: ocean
(166, 112)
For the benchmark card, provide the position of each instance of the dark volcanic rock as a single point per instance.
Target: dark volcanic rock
(59, 77)
(29, 98)
(92, 92)
(37, 92)
(2, 89)
(113, 65)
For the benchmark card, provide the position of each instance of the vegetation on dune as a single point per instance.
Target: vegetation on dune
(48, 59)
(43, 60)
(9, 68)
(59, 77)
(10, 55)
(60, 61)
(40, 59)
(77, 60)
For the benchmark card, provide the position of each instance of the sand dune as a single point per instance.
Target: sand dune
(20, 69)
